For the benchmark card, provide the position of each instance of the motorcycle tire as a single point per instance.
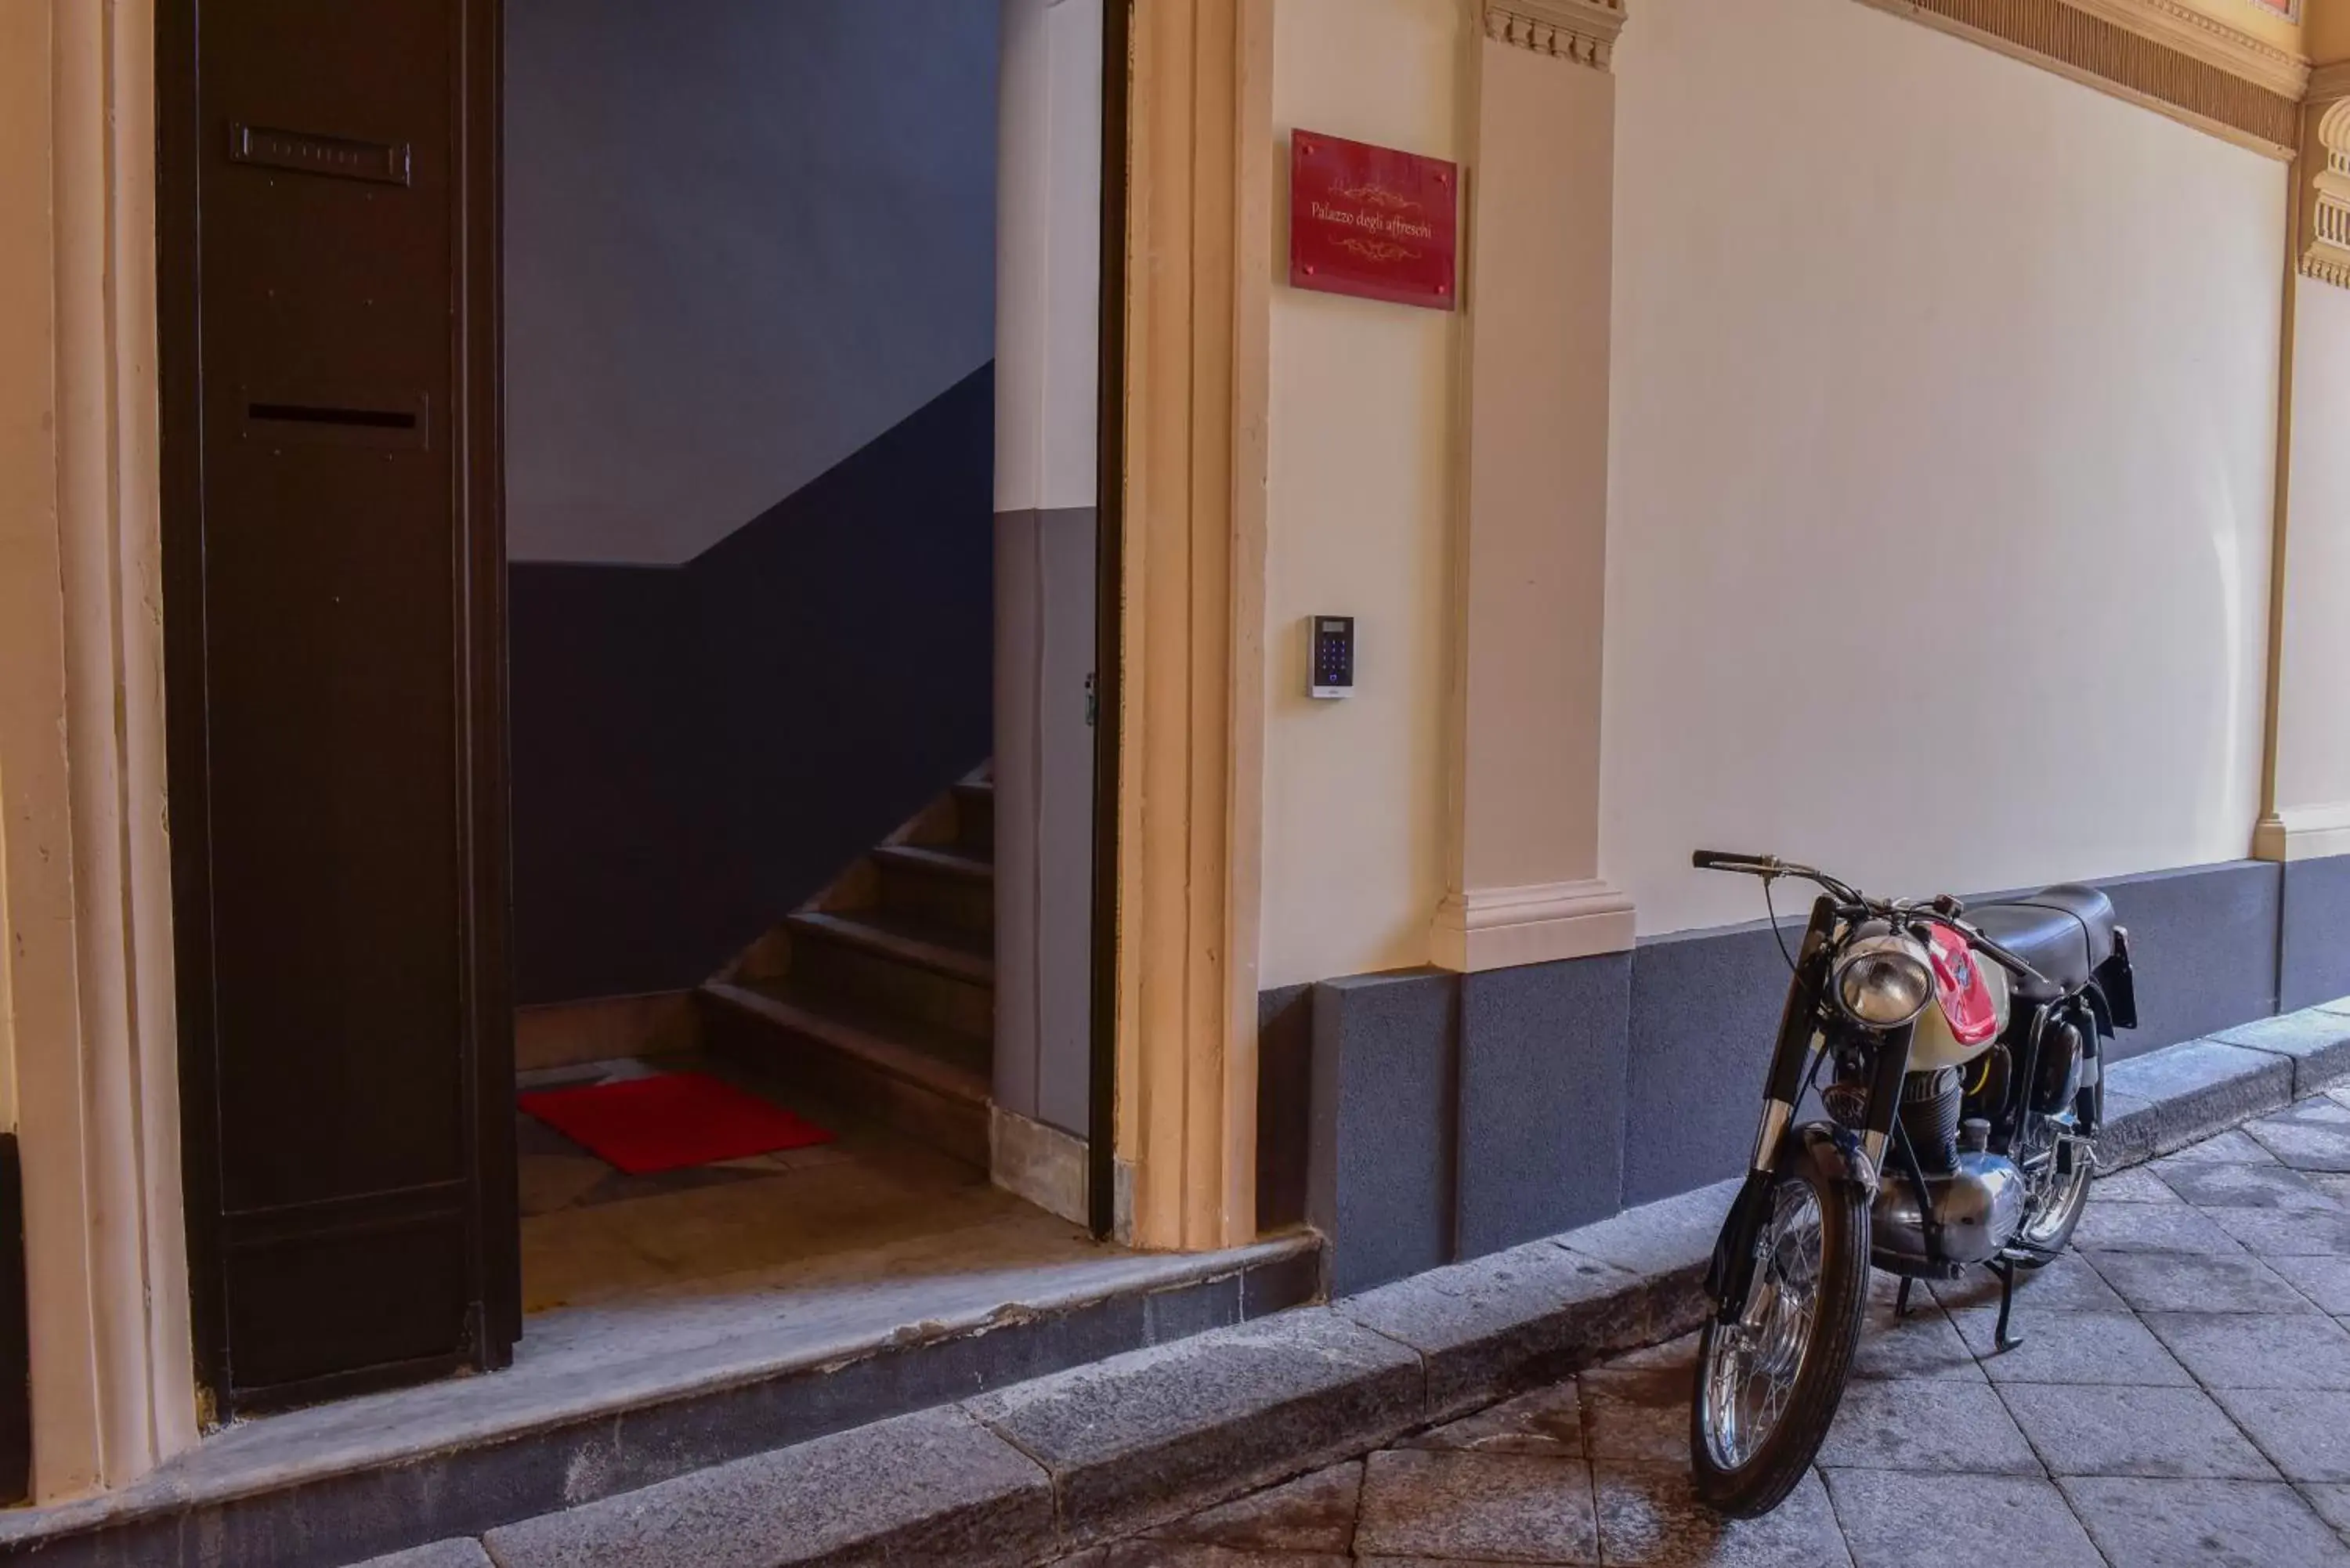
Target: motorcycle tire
(1757, 1482)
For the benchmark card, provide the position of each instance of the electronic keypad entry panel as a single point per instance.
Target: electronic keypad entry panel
(1330, 640)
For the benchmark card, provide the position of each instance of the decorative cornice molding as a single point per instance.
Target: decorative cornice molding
(2325, 191)
(1501, 928)
(1583, 31)
(2158, 52)
(2182, 26)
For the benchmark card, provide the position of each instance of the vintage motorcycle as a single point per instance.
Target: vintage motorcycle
(1958, 1107)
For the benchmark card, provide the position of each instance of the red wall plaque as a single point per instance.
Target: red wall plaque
(1372, 222)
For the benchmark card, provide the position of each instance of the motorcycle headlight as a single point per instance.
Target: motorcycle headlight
(1884, 982)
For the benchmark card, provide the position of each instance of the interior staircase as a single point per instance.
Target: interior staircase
(880, 993)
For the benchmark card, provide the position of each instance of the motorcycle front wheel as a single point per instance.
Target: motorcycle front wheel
(1769, 1383)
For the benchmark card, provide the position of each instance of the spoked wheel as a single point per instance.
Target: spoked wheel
(1769, 1383)
(2052, 1199)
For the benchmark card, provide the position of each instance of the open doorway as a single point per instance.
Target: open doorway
(793, 759)
(803, 770)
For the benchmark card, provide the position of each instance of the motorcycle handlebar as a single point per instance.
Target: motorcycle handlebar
(1945, 909)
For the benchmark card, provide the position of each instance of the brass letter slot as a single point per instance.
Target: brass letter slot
(340, 158)
(340, 423)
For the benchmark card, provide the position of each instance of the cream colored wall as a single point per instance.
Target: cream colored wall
(1360, 490)
(1917, 342)
(2313, 736)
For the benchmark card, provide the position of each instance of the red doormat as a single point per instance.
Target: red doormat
(670, 1121)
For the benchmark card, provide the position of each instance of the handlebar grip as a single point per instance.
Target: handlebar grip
(1718, 859)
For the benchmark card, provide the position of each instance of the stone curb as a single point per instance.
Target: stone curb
(1046, 1468)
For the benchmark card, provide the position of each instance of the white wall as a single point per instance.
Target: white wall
(1360, 489)
(1048, 255)
(744, 238)
(2314, 717)
(1941, 467)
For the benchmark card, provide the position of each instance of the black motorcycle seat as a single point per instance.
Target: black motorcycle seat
(2065, 932)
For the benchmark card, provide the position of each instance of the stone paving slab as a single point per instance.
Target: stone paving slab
(931, 1487)
(2313, 1135)
(2079, 1430)
(2307, 1434)
(2189, 1281)
(2071, 1347)
(1649, 1514)
(2214, 1185)
(1503, 1322)
(1917, 1425)
(441, 1555)
(2220, 1351)
(1894, 1518)
(2203, 1523)
(2166, 1099)
(1139, 1437)
(2315, 1040)
(1521, 1508)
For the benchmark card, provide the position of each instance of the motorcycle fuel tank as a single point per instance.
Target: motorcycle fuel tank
(1977, 1207)
(1969, 1009)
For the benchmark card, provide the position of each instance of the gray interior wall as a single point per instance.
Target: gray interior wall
(1043, 813)
(744, 238)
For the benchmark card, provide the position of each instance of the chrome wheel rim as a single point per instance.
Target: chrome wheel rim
(1752, 1365)
(2050, 1196)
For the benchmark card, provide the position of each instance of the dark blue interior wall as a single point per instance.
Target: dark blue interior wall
(697, 749)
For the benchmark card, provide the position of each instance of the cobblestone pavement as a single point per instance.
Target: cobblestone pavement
(2182, 1398)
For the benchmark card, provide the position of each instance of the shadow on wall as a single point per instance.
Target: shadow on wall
(697, 749)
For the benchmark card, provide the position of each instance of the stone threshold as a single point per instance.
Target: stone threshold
(653, 1388)
(1048, 1468)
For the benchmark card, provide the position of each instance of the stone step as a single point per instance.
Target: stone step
(949, 884)
(930, 1085)
(929, 973)
(588, 1413)
(975, 815)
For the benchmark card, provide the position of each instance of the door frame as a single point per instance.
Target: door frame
(475, 430)
(1109, 638)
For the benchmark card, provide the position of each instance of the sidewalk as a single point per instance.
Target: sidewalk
(2181, 1396)
(1098, 1464)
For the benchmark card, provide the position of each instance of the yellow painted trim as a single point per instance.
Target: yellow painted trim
(1198, 289)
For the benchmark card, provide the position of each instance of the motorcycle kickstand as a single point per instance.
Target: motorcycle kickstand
(2004, 1268)
(1901, 1302)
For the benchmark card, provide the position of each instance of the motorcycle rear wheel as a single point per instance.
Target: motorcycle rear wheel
(2055, 1211)
(1769, 1383)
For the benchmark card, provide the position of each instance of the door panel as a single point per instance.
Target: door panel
(334, 612)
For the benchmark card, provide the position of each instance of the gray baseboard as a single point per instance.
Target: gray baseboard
(2314, 948)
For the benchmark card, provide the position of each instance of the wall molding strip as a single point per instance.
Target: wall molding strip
(1498, 928)
(2303, 833)
(2157, 53)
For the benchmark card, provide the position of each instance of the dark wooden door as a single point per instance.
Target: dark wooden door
(334, 619)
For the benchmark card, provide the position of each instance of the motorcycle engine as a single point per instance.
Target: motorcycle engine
(1973, 1199)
